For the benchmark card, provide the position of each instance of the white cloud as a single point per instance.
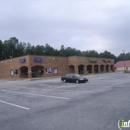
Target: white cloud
(83, 24)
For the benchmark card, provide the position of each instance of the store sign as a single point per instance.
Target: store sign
(38, 59)
(92, 60)
(22, 60)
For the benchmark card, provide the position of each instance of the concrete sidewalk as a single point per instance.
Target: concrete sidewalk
(28, 79)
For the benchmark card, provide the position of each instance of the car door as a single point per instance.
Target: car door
(72, 78)
(67, 77)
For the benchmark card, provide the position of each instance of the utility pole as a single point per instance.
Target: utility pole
(124, 59)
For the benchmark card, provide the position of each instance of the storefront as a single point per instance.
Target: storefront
(32, 66)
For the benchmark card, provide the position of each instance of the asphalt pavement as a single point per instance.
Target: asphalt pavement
(49, 104)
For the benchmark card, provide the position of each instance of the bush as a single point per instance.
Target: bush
(126, 71)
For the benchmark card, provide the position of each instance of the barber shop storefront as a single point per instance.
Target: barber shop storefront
(33, 66)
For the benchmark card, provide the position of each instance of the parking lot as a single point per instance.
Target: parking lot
(49, 104)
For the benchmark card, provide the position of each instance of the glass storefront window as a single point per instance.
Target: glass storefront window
(11, 72)
(16, 72)
(41, 71)
(48, 71)
(55, 70)
(24, 71)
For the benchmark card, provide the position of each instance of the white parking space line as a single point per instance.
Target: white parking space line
(11, 104)
(40, 95)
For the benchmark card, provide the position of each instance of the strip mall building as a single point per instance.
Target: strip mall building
(30, 66)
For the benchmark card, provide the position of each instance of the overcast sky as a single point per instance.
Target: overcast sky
(82, 24)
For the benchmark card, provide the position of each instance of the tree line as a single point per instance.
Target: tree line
(13, 48)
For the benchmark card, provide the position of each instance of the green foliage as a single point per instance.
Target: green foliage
(123, 56)
(13, 48)
(91, 53)
(126, 71)
(107, 54)
(1, 50)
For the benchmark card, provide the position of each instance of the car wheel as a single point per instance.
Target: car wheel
(77, 81)
(64, 81)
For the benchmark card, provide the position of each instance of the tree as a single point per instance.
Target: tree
(13, 48)
(1, 50)
(49, 50)
(91, 53)
(123, 56)
(20, 49)
(28, 49)
(39, 50)
(107, 54)
(62, 47)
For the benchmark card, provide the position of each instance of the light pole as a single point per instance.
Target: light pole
(124, 59)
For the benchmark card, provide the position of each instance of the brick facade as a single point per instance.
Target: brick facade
(58, 66)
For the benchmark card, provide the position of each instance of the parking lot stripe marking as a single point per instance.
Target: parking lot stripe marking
(14, 105)
(40, 95)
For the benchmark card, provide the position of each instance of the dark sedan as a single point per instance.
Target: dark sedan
(74, 78)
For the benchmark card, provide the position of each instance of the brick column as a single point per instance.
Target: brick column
(76, 69)
(99, 69)
(84, 70)
(104, 68)
(92, 69)
(29, 72)
(109, 68)
(19, 72)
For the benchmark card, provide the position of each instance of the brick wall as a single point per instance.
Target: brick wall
(62, 63)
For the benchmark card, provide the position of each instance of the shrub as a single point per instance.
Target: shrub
(125, 71)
